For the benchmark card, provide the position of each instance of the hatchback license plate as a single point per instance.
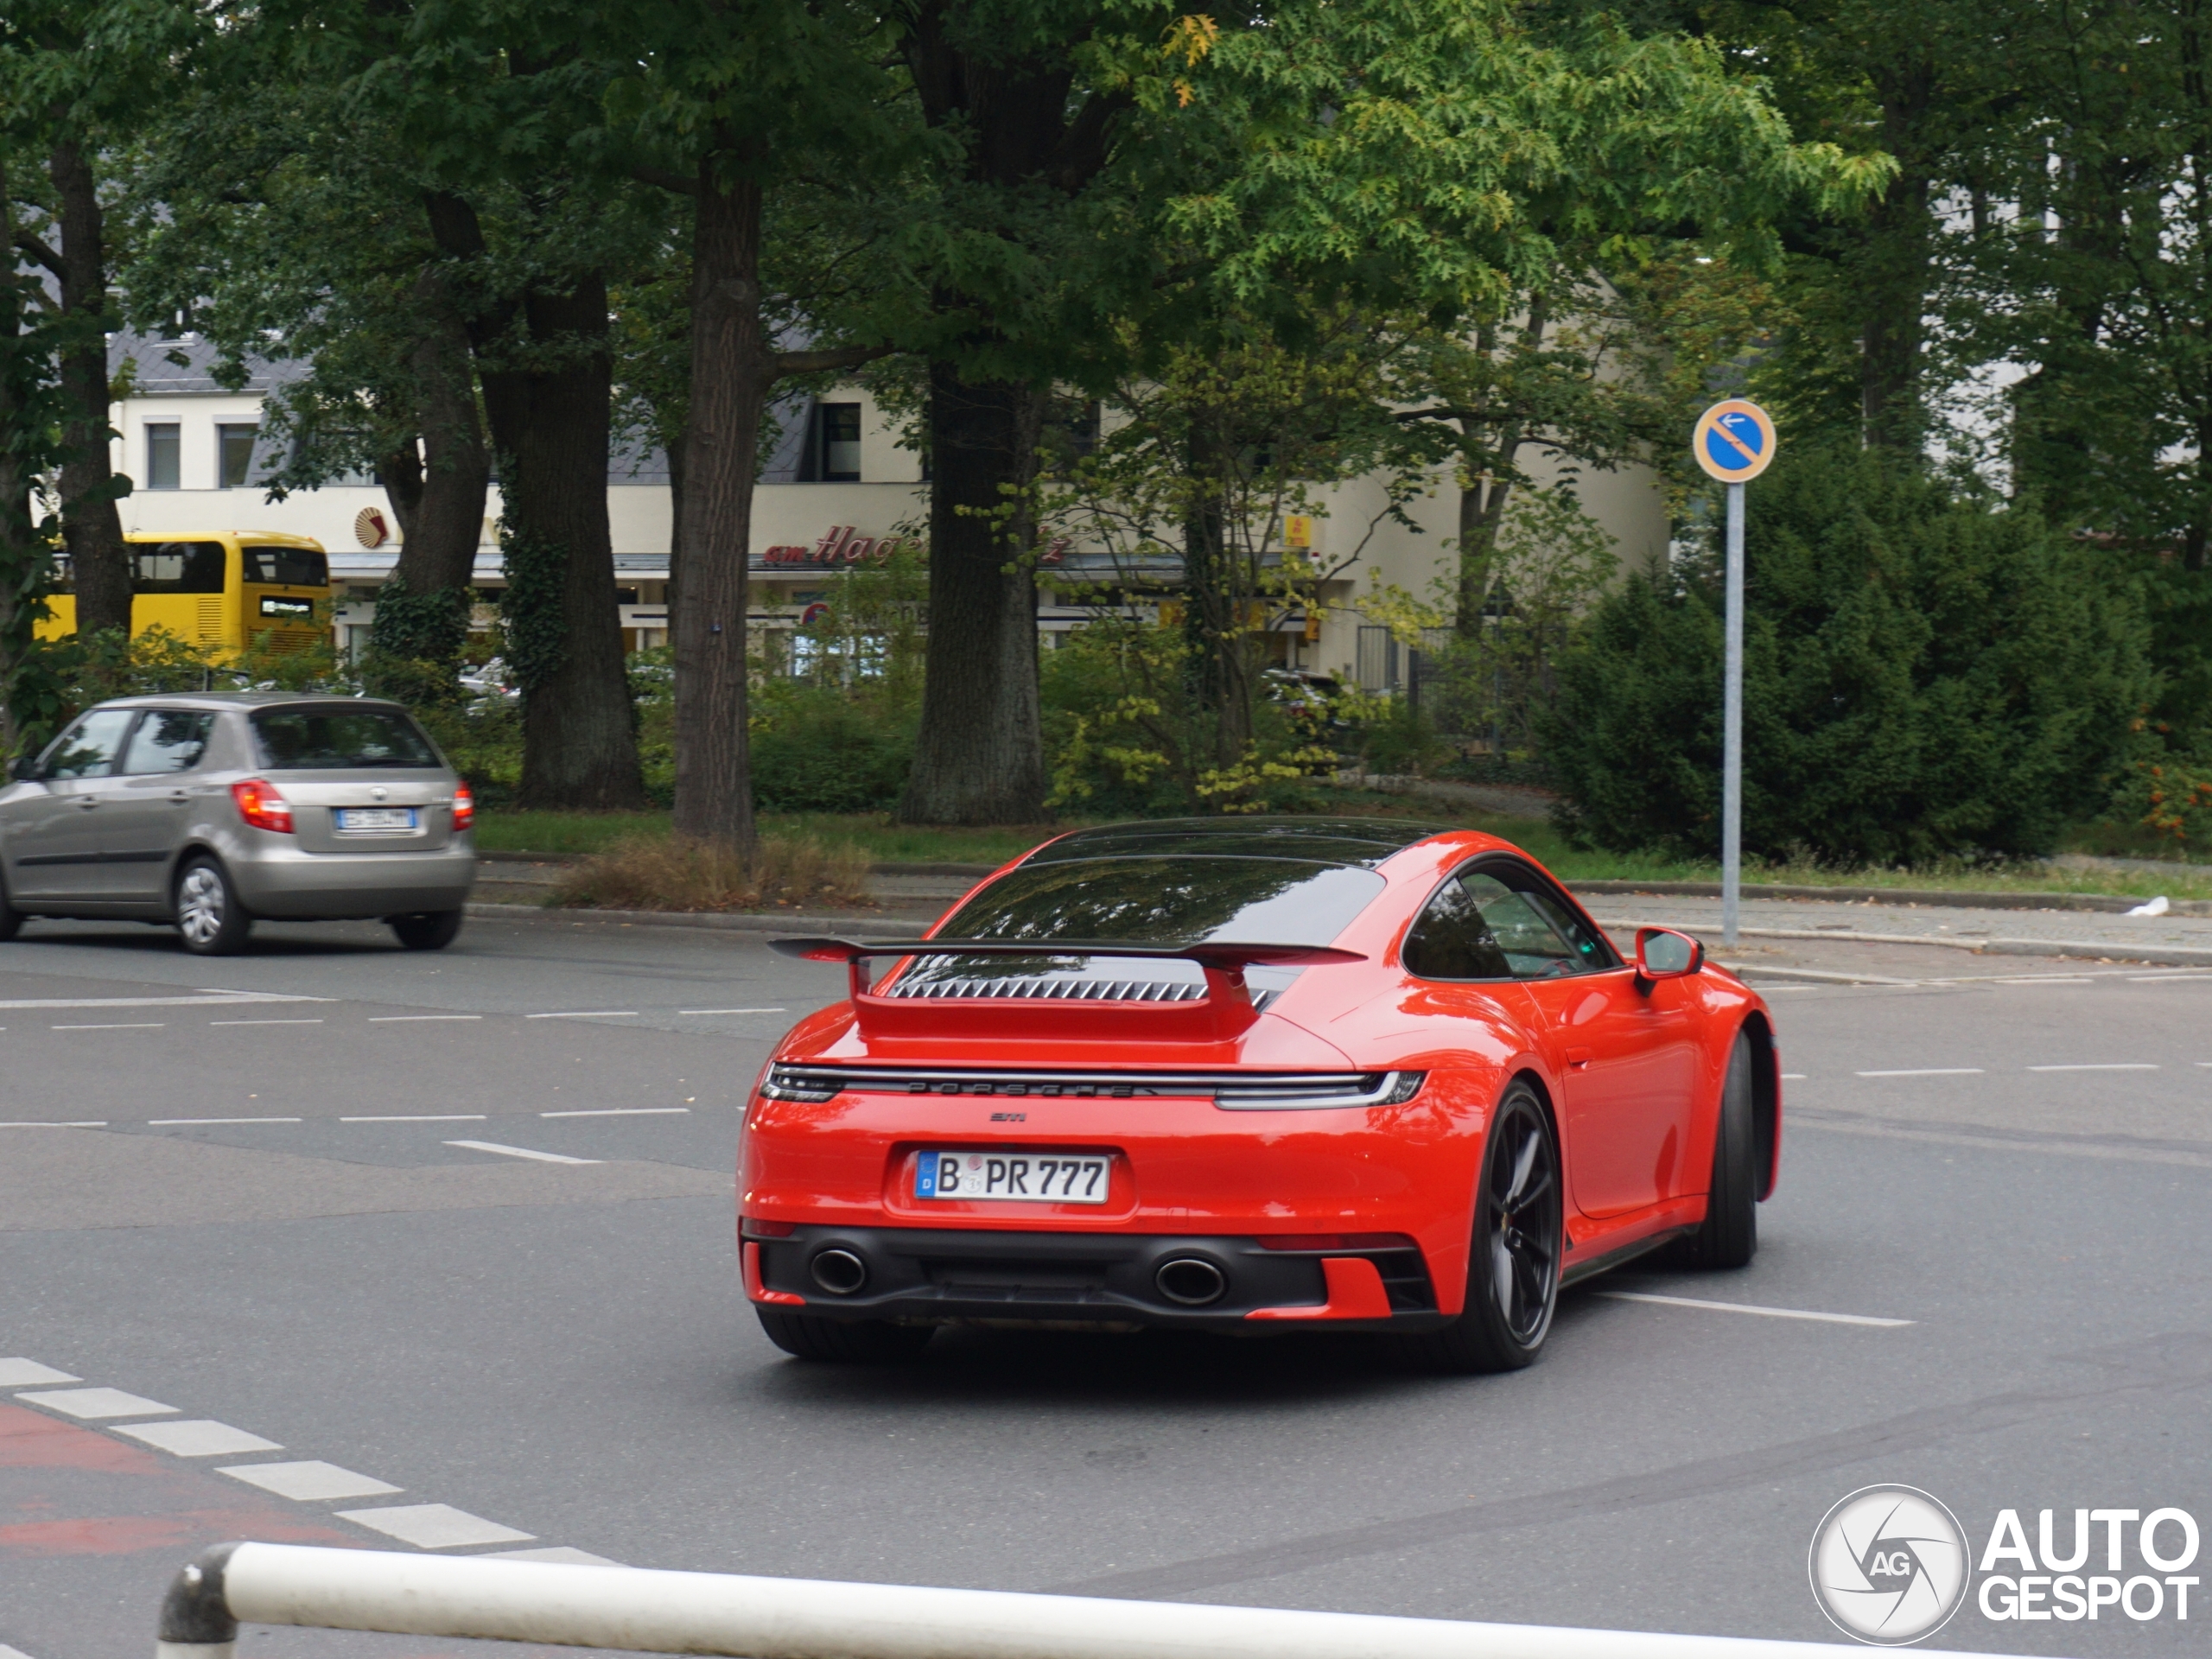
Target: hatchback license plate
(376, 817)
(1024, 1177)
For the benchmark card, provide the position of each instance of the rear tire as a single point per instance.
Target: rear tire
(430, 929)
(863, 1342)
(209, 916)
(12, 919)
(1729, 1236)
(1514, 1266)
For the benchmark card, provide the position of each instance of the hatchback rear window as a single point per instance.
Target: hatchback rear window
(335, 740)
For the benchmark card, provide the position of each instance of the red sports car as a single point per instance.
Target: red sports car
(1252, 1076)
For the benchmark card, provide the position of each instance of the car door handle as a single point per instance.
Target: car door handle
(180, 796)
(87, 803)
(1579, 1057)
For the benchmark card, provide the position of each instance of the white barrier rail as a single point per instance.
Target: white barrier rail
(649, 1612)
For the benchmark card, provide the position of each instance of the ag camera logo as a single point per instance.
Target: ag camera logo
(1890, 1564)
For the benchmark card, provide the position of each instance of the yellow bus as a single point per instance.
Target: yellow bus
(222, 590)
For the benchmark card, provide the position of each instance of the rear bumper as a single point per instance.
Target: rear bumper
(282, 881)
(940, 1276)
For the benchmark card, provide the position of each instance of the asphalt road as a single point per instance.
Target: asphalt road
(367, 1268)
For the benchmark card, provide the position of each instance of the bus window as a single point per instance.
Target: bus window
(176, 568)
(295, 567)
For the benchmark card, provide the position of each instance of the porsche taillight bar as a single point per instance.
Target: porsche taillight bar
(1233, 1090)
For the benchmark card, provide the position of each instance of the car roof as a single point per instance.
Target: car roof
(241, 700)
(1362, 842)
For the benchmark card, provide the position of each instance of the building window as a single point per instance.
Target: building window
(233, 455)
(841, 442)
(162, 472)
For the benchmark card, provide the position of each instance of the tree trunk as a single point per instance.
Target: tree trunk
(1482, 501)
(422, 612)
(731, 372)
(672, 595)
(550, 427)
(1894, 269)
(1213, 612)
(22, 550)
(91, 529)
(979, 758)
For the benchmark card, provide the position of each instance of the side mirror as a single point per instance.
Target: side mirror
(1661, 953)
(23, 769)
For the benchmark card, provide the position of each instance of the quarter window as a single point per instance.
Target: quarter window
(1502, 922)
(168, 740)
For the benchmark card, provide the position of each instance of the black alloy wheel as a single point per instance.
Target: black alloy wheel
(1513, 1269)
(851, 1342)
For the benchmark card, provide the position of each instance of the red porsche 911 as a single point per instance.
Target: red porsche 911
(1252, 1076)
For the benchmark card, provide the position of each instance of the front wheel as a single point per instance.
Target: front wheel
(861, 1341)
(429, 930)
(1729, 1236)
(208, 914)
(1513, 1272)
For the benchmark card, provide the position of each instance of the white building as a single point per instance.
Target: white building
(837, 481)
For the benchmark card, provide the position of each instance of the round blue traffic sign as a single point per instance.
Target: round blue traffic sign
(1733, 440)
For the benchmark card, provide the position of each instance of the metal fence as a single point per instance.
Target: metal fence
(640, 1611)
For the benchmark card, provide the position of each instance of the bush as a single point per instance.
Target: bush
(673, 872)
(1924, 678)
(828, 748)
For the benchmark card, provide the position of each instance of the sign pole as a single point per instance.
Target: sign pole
(1732, 722)
(1733, 442)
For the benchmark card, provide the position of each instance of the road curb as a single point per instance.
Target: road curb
(864, 927)
(2111, 904)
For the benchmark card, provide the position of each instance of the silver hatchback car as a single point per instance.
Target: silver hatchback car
(211, 809)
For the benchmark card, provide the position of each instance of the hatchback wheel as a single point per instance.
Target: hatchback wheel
(430, 930)
(1513, 1270)
(208, 914)
(12, 919)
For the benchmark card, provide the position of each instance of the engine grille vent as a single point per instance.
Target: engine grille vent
(1063, 990)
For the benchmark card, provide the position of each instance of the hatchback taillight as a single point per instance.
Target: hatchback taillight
(260, 806)
(464, 807)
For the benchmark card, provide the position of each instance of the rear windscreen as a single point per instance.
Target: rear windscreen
(295, 567)
(1151, 901)
(333, 740)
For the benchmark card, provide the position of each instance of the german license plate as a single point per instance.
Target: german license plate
(376, 817)
(1024, 1177)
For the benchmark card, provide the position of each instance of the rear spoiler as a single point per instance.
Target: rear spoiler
(1224, 962)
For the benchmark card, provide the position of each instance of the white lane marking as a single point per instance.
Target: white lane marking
(560, 1555)
(1746, 1307)
(2170, 979)
(169, 1122)
(2047, 979)
(141, 1025)
(1927, 1072)
(413, 1019)
(1793, 1076)
(310, 1481)
(2121, 1065)
(519, 1152)
(265, 1022)
(86, 1124)
(732, 1010)
(197, 1437)
(92, 1404)
(622, 1111)
(7, 1652)
(433, 1526)
(441, 1117)
(588, 1014)
(21, 1373)
(201, 1001)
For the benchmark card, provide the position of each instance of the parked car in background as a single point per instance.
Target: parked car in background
(212, 810)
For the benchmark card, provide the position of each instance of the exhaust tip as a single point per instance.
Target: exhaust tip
(839, 1272)
(1191, 1281)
